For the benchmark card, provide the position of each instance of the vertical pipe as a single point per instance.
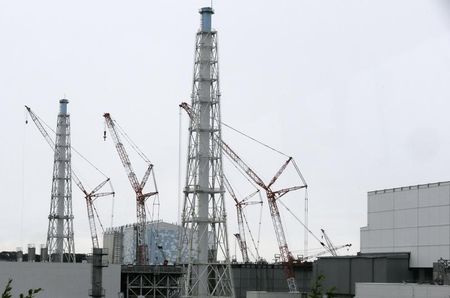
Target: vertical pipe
(204, 145)
(62, 135)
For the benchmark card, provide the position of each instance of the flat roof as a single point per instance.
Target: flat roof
(402, 188)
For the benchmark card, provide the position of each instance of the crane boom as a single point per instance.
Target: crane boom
(325, 252)
(331, 248)
(272, 196)
(141, 245)
(240, 219)
(87, 195)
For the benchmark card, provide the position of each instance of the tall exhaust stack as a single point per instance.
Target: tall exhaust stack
(60, 242)
(204, 242)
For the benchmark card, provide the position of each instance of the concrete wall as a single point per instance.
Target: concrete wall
(343, 272)
(258, 294)
(57, 280)
(385, 290)
(413, 219)
(268, 277)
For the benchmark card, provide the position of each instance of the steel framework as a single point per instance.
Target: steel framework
(272, 198)
(138, 187)
(240, 204)
(151, 281)
(89, 196)
(60, 242)
(204, 237)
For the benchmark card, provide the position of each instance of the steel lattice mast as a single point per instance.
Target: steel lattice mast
(138, 187)
(60, 241)
(204, 235)
(89, 196)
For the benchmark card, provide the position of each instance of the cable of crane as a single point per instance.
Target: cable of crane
(132, 144)
(23, 178)
(298, 219)
(269, 147)
(154, 183)
(240, 171)
(74, 149)
(260, 219)
(299, 173)
(98, 217)
(255, 140)
(251, 237)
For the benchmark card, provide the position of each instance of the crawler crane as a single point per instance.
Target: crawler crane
(138, 187)
(272, 197)
(240, 204)
(89, 196)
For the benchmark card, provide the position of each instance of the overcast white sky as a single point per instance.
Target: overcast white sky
(356, 91)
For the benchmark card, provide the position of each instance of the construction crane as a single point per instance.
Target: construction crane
(330, 246)
(89, 196)
(336, 248)
(138, 187)
(240, 204)
(272, 197)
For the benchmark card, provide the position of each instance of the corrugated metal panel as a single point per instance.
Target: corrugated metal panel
(380, 202)
(434, 196)
(435, 235)
(364, 239)
(405, 218)
(405, 237)
(420, 225)
(434, 216)
(381, 238)
(406, 199)
(381, 220)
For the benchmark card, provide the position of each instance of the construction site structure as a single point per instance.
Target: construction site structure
(89, 196)
(98, 262)
(240, 204)
(60, 236)
(272, 197)
(204, 237)
(138, 187)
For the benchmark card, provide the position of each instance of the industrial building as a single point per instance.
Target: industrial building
(58, 280)
(388, 290)
(162, 239)
(408, 228)
(414, 219)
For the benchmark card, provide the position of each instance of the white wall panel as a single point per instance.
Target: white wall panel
(434, 196)
(381, 238)
(57, 279)
(414, 257)
(435, 235)
(414, 219)
(429, 254)
(381, 220)
(406, 218)
(434, 216)
(364, 239)
(380, 201)
(400, 290)
(405, 237)
(406, 199)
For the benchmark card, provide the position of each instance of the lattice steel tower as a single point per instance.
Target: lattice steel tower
(60, 243)
(204, 238)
